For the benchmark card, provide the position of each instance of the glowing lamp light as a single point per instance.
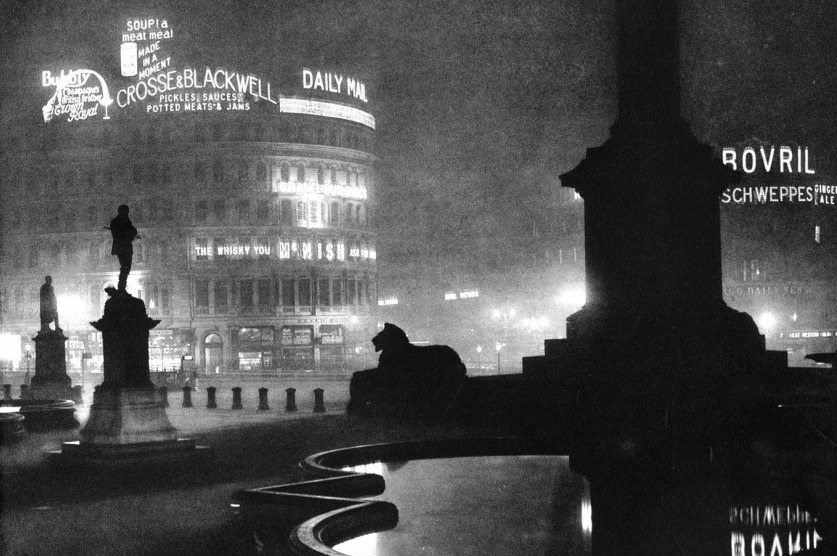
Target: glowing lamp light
(10, 347)
(575, 297)
(766, 320)
(353, 320)
(70, 304)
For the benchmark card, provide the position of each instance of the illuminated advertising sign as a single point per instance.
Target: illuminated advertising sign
(333, 83)
(817, 194)
(76, 96)
(154, 82)
(772, 530)
(283, 249)
(333, 189)
(783, 160)
(312, 107)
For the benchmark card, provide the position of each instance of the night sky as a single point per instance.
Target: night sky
(479, 106)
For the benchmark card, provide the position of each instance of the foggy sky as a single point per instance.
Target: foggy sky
(479, 105)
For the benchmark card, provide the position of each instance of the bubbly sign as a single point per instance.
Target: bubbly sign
(78, 95)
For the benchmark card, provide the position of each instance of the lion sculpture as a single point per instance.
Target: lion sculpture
(407, 374)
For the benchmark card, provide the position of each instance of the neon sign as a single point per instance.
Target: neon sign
(312, 107)
(763, 530)
(236, 83)
(333, 83)
(345, 191)
(789, 161)
(74, 96)
(817, 194)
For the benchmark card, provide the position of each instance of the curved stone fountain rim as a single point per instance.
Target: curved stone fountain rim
(338, 492)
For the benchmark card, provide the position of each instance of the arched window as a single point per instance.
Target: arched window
(217, 171)
(320, 175)
(349, 212)
(333, 176)
(284, 173)
(261, 172)
(300, 173)
(357, 214)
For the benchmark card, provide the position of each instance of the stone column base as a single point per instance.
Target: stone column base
(121, 416)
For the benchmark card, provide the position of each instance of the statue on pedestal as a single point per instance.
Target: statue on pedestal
(124, 233)
(49, 305)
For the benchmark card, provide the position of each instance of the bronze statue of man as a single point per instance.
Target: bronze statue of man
(49, 305)
(124, 233)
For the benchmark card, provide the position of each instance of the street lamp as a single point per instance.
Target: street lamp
(498, 346)
(479, 355)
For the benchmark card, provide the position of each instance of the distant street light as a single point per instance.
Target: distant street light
(498, 346)
(766, 321)
(575, 297)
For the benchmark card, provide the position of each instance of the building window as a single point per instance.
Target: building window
(219, 209)
(334, 176)
(313, 211)
(304, 290)
(263, 210)
(242, 170)
(351, 291)
(300, 173)
(261, 172)
(221, 299)
(335, 210)
(287, 295)
(285, 211)
(201, 211)
(284, 173)
(320, 176)
(349, 212)
(323, 293)
(357, 214)
(817, 234)
(165, 299)
(300, 211)
(263, 292)
(202, 293)
(242, 209)
(152, 299)
(218, 171)
(337, 292)
(245, 291)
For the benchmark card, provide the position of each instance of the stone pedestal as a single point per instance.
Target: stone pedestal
(51, 381)
(128, 424)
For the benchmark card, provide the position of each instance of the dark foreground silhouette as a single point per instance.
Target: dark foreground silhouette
(408, 379)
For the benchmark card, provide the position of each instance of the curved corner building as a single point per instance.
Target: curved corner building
(255, 209)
